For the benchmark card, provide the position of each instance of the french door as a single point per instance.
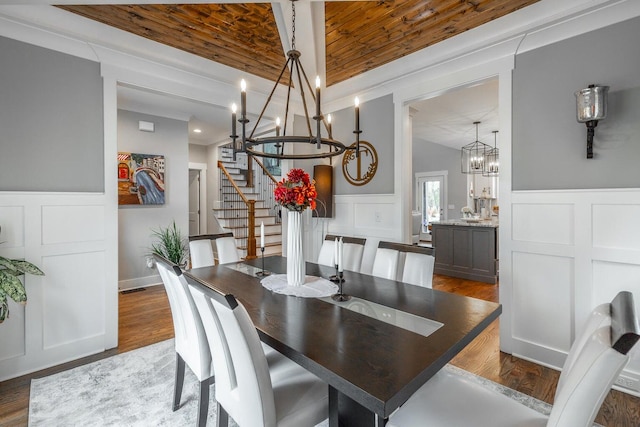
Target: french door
(431, 197)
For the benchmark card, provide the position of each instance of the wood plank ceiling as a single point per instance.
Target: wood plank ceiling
(359, 36)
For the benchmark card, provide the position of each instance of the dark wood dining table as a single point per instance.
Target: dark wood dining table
(371, 366)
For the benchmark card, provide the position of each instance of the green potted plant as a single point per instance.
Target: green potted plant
(170, 244)
(10, 284)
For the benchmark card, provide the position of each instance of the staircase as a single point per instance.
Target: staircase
(232, 212)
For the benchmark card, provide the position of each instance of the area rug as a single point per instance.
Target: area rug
(136, 389)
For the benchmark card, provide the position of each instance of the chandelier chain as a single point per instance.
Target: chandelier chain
(293, 25)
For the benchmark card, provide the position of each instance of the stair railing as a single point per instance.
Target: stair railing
(265, 184)
(247, 235)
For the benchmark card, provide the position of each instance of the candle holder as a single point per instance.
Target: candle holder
(335, 278)
(340, 296)
(263, 273)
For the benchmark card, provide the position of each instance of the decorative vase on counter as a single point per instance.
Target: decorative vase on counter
(295, 258)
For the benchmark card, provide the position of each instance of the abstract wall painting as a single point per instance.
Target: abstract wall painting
(140, 179)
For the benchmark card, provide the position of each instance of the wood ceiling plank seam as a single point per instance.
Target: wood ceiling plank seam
(382, 45)
(237, 55)
(447, 12)
(219, 31)
(359, 35)
(359, 24)
(351, 25)
(256, 20)
(373, 59)
(437, 16)
(123, 22)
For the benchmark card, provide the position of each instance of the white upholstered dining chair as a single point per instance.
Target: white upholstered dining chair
(227, 250)
(594, 362)
(327, 253)
(201, 253)
(385, 263)
(191, 344)
(251, 387)
(352, 251)
(418, 269)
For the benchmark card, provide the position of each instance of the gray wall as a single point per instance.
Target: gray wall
(376, 123)
(197, 153)
(51, 120)
(136, 222)
(549, 145)
(431, 157)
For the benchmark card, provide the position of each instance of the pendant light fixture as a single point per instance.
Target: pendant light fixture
(492, 159)
(473, 155)
(325, 146)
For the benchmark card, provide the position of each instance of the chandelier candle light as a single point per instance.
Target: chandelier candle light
(296, 192)
(256, 145)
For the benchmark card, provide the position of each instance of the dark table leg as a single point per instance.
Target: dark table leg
(346, 412)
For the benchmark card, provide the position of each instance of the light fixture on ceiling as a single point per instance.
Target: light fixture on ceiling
(492, 159)
(325, 146)
(473, 155)
(197, 130)
(591, 106)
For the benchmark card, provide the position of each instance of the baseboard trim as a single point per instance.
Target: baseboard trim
(139, 282)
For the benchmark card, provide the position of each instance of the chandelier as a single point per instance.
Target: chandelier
(325, 146)
(492, 159)
(474, 155)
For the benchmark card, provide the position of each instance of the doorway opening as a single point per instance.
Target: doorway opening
(197, 198)
(431, 199)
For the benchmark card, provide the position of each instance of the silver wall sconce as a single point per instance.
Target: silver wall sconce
(591, 106)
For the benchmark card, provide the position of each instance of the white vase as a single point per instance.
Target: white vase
(295, 258)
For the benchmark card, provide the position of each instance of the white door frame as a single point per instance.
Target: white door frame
(445, 188)
(202, 167)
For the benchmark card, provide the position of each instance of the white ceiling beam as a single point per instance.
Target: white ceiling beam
(309, 34)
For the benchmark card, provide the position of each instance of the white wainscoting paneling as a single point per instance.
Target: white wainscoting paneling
(60, 224)
(72, 310)
(12, 224)
(13, 334)
(75, 280)
(570, 251)
(616, 226)
(541, 294)
(533, 224)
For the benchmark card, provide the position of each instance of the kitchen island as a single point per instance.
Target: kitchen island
(467, 249)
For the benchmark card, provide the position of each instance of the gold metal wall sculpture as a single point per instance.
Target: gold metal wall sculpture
(359, 170)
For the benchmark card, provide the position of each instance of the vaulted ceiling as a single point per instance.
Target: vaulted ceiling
(358, 35)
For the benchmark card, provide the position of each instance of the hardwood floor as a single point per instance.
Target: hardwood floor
(145, 319)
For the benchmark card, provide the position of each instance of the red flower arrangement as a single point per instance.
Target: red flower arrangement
(297, 191)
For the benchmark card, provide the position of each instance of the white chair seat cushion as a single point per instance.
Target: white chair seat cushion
(297, 394)
(451, 400)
